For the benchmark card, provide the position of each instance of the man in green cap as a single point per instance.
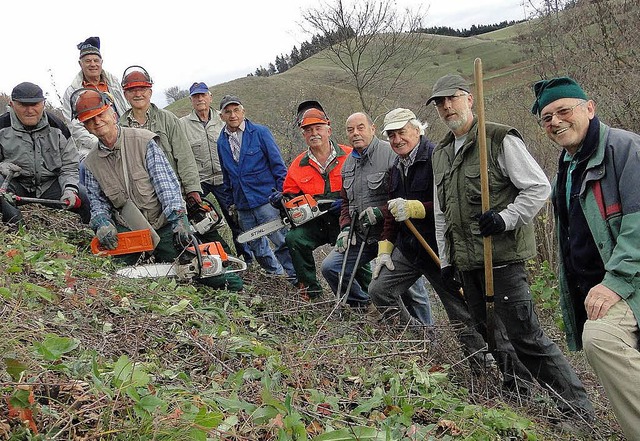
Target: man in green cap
(597, 210)
(518, 188)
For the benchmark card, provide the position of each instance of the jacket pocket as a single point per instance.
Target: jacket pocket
(50, 155)
(378, 183)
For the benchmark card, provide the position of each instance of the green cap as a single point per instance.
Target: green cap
(548, 91)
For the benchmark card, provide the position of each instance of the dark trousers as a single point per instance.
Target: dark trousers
(515, 317)
(242, 249)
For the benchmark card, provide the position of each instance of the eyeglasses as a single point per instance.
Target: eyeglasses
(562, 114)
(439, 102)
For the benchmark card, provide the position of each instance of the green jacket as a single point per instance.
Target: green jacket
(457, 177)
(204, 144)
(174, 144)
(610, 200)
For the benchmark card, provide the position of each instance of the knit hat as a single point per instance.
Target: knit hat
(548, 91)
(90, 46)
(27, 93)
(448, 85)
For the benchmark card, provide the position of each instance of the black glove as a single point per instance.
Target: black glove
(490, 223)
(449, 278)
(275, 199)
(335, 207)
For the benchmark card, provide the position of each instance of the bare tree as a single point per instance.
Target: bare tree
(595, 42)
(174, 94)
(373, 43)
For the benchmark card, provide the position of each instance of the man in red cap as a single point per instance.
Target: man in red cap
(91, 75)
(128, 167)
(137, 85)
(37, 150)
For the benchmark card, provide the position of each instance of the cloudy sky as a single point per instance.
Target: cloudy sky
(211, 41)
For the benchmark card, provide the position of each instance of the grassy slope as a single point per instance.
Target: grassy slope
(156, 360)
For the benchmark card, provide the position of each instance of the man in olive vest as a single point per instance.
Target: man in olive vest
(518, 188)
(128, 167)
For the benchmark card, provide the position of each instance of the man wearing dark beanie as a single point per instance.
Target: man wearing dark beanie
(92, 76)
(597, 208)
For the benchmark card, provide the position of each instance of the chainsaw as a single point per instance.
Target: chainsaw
(203, 221)
(298, 210)
(200, 261)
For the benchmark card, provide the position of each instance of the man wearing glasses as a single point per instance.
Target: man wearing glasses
(597, 210)
(518, 188)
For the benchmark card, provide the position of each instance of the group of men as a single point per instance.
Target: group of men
(412, 207)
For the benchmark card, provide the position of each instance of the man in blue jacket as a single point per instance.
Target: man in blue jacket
(252, 167)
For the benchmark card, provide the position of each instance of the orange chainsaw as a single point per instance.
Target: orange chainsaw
(298, 210)
(200, 261)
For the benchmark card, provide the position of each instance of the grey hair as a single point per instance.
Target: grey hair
(421, 126)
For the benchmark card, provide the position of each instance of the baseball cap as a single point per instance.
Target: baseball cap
(27, 93)
(136, 76)
(397, 119)
(448, 85)
(313, 116)
(198, 88)
(229, 99)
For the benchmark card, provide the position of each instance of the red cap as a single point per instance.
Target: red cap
(88, 104)
(314, 116)
(136, 76)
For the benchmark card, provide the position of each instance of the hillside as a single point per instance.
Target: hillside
(87, 355)
(272, 100)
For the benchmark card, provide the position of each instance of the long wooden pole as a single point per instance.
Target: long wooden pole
(427, 248)
(486, 205)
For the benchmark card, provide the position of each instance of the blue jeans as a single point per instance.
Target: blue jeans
(278, 260)
(332, 265)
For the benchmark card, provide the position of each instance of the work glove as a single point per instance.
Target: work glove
(181, 230)
(490, 223)
(403, 209)
(275, 199)
(105, 230)
(193, 199)
(335, 207)
(9, 167)
(197, 208)
(384, 258)
(370, 216)
(343, 239)
(449, 278)
(70, 198)
(233, 213)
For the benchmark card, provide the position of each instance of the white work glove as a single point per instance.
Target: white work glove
(384, 258)
(70, 198)
(343, 238)
(403, 209)
(9, 167)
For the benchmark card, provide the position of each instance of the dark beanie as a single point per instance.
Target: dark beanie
(90, 46)
(547, 91)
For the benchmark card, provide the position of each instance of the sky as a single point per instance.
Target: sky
(184, 41)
